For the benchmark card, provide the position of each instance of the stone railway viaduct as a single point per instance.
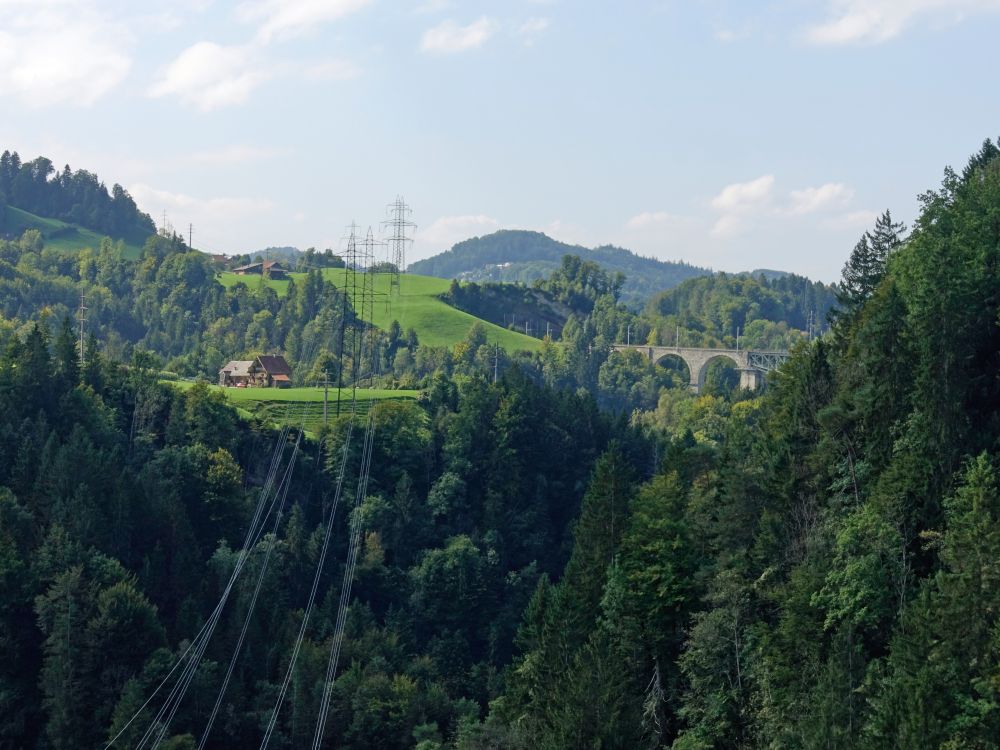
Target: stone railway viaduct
(752, 364)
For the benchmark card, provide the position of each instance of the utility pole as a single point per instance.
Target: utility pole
(326, 390)
(190, 232)
(496, 361)
(548, 330)
(628, 335)
(82, 316)
(737, 338)
(677, 340)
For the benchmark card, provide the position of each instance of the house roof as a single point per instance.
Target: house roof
(267, 265)
(274, 365)
(238, 367)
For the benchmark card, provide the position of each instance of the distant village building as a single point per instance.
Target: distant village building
(267, 371)
(271, 268)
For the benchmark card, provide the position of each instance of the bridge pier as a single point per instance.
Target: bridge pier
(751, 379)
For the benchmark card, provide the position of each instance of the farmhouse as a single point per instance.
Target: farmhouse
(236, 373)
(272, 371)
(267, 371)
(270, 268)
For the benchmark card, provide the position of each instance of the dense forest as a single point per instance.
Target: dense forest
(825, 575)
(76, 197)
(582, 554)
(122, 515)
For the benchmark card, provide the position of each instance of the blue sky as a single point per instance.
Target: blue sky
(734, 135)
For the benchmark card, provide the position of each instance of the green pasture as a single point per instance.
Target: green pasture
(56, 234)
(417, 306)
(301, 406)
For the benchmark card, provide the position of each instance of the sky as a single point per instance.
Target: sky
(731, 134)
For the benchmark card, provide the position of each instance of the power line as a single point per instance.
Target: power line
(362, 258)
(197, 642)
(82, 316)
(355, 535)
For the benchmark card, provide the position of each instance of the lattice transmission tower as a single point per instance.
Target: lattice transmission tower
(397, 229)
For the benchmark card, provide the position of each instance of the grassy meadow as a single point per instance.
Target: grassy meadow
(418, 306)
(58, 234)
(300, 406)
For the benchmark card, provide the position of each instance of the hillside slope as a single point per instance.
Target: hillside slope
(418, 307)
(518, 255)
(56, 234)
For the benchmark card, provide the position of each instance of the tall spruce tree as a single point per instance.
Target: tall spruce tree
(867, 265)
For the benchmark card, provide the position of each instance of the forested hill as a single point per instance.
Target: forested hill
(76, 197)
(518, 255)
(762, 307)
(830, 575)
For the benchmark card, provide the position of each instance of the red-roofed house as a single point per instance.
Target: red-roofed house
(272, 371)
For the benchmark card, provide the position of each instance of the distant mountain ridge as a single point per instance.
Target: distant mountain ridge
(521, 255)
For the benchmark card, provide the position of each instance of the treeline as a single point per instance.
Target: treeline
(767, 312)
(76, 197)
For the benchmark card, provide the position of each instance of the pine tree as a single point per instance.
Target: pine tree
(867, 265)
(67, 353)
(596, 538)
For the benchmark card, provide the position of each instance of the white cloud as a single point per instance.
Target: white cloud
(283, 19)
(448, 37)
(876, 21)
(825, 197)
(60, 53)
(533, 27)
(333, 70)
(741, 196)
(208, 76)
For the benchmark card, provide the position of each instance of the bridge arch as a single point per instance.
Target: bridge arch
(751, 364)
(676, 362)
(703, 372)
(697, 361)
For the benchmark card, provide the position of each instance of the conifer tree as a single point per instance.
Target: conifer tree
(867, 264)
